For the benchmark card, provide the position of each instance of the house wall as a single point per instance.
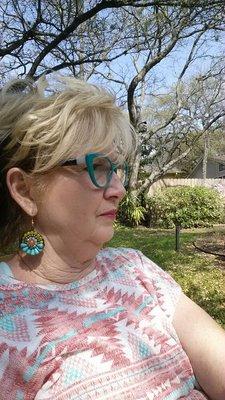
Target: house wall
(212, 171)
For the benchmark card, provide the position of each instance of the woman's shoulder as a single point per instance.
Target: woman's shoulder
(140, 265)
(5, 269)
(124, 254)
(118, 250)
(133, 266)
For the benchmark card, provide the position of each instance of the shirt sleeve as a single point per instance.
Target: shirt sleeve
(166, 290)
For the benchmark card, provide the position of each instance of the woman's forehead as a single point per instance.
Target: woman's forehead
(114, 156)
(111, 153)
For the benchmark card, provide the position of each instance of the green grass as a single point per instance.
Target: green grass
(200, 275)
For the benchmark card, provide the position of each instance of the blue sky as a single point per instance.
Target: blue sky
(165, 74)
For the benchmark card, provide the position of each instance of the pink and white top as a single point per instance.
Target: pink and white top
(108, 336)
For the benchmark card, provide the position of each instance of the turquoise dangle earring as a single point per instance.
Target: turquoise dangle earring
(32, 242)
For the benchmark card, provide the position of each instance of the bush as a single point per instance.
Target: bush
(185, 206)
(131, 212)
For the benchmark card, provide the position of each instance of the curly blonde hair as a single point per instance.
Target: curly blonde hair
(43, 125)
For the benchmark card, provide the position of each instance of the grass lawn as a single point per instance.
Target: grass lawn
(201, 275)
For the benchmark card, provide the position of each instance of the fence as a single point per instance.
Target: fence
(218, 184)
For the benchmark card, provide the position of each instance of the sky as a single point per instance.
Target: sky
(165, 74)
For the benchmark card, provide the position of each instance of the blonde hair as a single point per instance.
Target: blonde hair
(40, 129)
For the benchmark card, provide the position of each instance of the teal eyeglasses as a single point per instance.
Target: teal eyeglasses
(100, 169)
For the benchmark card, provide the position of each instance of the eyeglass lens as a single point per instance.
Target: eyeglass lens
(103, 170)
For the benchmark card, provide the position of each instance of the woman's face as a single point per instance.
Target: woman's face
(73, 212)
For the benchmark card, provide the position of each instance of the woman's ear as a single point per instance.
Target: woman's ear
(20, 188)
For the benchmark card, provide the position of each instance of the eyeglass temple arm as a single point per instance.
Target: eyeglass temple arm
(69, 162)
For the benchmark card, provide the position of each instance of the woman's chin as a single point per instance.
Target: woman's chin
(105, 235)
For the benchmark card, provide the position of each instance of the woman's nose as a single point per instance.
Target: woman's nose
(115, 188)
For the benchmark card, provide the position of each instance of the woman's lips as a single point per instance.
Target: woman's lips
(109, 214)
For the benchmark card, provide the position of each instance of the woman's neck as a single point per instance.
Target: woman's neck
(47, 269)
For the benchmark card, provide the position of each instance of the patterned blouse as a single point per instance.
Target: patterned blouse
(108, 336)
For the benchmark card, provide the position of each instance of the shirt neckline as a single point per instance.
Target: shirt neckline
(7, 277)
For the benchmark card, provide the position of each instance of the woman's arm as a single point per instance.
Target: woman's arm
(204, 342)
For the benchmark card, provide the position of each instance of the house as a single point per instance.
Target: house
(174, 173)
(215, 168)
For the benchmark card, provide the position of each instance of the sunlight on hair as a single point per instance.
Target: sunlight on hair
(46, 128)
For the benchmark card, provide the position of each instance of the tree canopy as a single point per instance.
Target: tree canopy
(122, 44)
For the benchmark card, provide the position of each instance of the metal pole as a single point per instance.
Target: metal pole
(177, 238)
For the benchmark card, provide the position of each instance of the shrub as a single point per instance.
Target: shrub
(131, 212)
(185, 206)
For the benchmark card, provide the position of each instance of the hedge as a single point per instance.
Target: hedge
(185, 206)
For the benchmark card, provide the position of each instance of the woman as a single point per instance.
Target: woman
(79, 321)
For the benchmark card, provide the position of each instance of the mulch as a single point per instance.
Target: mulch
(214, 245)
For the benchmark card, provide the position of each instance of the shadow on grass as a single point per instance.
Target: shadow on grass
(159, 246)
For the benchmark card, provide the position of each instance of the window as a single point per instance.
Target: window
(221, 167)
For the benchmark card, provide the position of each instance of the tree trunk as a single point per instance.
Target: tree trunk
(135, 169)
(205, 155)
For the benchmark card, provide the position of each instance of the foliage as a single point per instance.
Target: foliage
(185, 206)
(197, 273)
(190, 114)
(131, 213)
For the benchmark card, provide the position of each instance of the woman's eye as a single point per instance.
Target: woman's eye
(99, 165)
(81, 168)
(96, 165)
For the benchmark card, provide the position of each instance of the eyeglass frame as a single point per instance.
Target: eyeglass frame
(87, 160)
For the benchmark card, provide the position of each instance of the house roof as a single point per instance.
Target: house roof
(220, 159)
